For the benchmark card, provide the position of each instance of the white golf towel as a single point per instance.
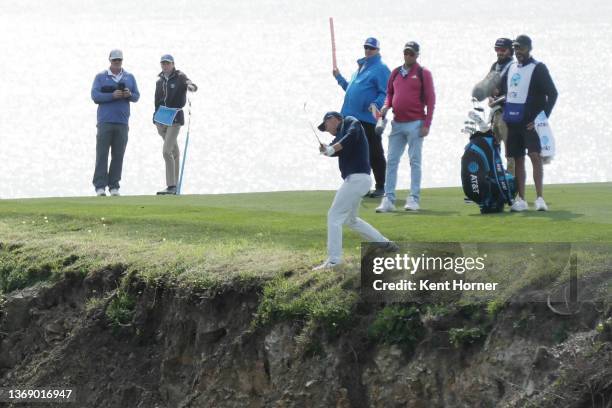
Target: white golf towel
(547, 140)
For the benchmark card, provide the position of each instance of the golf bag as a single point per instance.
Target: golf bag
(484, 179)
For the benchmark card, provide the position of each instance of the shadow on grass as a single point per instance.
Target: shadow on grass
(403, 212)
(556, 215)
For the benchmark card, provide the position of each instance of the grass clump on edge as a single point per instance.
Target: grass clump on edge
(318, 296)
(22, 266)
(466, 336)
(120, 310)
(400, 325)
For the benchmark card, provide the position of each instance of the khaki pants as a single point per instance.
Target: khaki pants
(500, 131)
(171, 152)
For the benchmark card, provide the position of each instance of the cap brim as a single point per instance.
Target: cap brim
(411, 49)
(321, 127)
(166, 60)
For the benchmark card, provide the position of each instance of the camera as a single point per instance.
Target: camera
(121, 86)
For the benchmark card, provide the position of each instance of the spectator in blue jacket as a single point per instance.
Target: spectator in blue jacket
(368, 86)
(113, 89)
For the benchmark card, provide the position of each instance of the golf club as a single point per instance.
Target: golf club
(311, 125)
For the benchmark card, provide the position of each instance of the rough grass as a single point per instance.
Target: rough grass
(272, 238)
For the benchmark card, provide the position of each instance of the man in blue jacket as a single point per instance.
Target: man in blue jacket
(368, 86)
(351, 147)
(113, 89)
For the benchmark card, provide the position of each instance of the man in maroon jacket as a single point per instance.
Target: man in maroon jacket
(410, 93)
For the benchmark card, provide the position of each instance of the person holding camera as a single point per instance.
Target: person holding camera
(170, 96)
(113, 89)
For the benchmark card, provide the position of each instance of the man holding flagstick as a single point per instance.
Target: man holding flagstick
(367, 87)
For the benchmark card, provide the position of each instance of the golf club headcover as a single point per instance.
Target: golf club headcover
(486, 86)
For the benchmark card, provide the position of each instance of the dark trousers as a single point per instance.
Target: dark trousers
(113, 136)
(377, 154)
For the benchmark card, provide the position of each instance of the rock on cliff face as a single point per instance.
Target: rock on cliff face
(184, 348)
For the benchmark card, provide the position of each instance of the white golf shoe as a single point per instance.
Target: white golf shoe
(540, 204)
(411, 204)
(326, 265)
(100, 192)
(114, 192)
(519, 205)
(385, 206)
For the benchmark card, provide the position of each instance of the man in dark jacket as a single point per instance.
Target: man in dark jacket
(350, 145)
(504, 51)
(171, 95)
(529, 90)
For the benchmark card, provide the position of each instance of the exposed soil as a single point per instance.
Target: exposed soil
(186, 348)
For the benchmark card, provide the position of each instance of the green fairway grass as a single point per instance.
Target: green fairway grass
(211, 239)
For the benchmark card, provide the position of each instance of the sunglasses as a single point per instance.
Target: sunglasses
(501, 49)
(369, 48)
(409, 53)
(116, 60)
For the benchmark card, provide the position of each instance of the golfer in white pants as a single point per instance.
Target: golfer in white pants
(351, 147)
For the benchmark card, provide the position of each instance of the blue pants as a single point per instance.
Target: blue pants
(402, 134)
(113, 136)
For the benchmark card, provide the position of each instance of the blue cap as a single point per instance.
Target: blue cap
(167, 58)
(503, 43)
(372, 42)
(328, 115)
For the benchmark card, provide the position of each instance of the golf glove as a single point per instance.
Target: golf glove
(329, 151)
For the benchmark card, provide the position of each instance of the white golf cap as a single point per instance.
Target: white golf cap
(115, 54)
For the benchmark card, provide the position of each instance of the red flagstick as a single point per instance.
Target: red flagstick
(333, 42)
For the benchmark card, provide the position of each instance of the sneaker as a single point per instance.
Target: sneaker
(391, 246)
(379, 192)
(467, 200)
(519, 205)
(168, 191)
(326, 265)
(385, 206)
(411, 204)
(540, 204)
(114, 192)
(100, 192)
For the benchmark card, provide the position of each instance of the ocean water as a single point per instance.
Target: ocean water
(258, 63)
